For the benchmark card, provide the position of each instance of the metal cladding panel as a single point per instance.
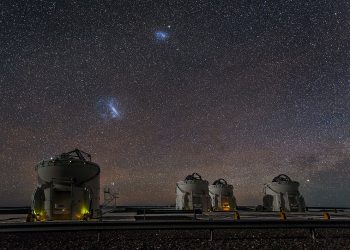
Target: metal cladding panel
(198, 187)
(38, 198)
(94, 186)
(226, 190)
(290, 187)
(77, 171)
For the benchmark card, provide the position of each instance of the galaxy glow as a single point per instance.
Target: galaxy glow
(155, 91)
(161, 36)
(108, 108)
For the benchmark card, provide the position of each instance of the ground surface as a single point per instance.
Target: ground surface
(171, 239)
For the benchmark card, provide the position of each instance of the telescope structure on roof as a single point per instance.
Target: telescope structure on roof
(221, 194)
(68, 188)
(282, 194)
(192, 193)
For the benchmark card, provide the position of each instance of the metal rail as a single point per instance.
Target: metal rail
(172, 225)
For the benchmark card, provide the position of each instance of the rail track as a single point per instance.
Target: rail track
(173, 225)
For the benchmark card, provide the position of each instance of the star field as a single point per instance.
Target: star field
(156, 90)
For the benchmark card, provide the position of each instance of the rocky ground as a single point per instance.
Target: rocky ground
(175, 239)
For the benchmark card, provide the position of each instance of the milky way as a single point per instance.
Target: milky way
(231, 89)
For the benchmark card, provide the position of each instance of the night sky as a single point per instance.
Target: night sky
(156, 90)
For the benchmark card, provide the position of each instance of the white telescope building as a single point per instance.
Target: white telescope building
(68, 188)
(192, 193)
(283, 194)
(221, 194)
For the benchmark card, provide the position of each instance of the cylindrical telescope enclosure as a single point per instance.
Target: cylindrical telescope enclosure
(282, 194)
(68, 187)
(192, 193)
(221, 194)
